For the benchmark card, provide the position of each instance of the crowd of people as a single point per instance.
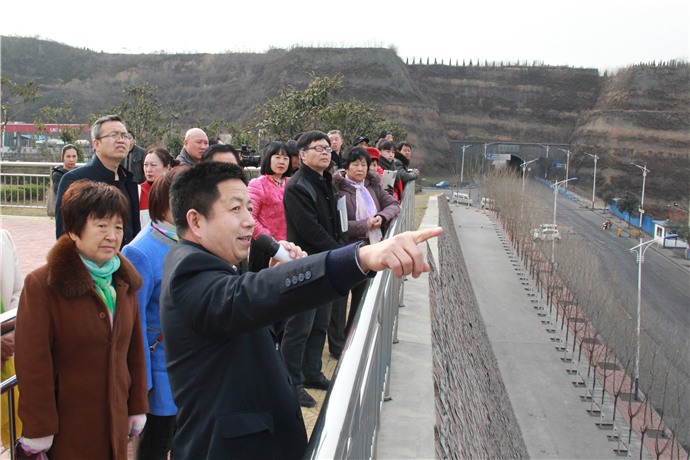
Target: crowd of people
(159, 313)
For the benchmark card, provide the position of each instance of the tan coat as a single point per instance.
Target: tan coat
(78, 379)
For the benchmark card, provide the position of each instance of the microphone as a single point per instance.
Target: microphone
(268, 245)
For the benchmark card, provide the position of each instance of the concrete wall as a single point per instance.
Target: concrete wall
(474, 417)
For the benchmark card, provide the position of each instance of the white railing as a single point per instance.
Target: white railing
(348, 425)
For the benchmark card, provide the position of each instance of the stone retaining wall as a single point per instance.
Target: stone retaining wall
(474, 417)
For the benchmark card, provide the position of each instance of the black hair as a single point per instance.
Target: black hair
(271, 149)
(197, 188)
(385, 144)
(403, 144)
(384, 133)
(218, 148)
(309, 137)
(354, 154)
(291, 148)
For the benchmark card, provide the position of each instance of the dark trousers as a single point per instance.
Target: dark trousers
(336, 327)
(357, 296)
(157, 438)
(303, 341)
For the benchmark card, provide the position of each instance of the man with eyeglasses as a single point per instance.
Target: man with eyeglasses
(111, 143)
(313, 223)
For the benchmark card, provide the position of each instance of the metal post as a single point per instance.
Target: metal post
(594, 182)
(567, 169)
(644, 180)
(637, 327)
(462, 168)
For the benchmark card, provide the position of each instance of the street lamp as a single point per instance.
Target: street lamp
(640, 249)
(555, 198)
(524, 166)
(594, 181)
(547, 159)
(462, 168)
(644, 180)
(485, 146)
(567, 166)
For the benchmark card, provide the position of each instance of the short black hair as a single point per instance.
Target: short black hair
(271, 149)
(403, 144)
(309, 137)
(385, 144)
(218, 148)
(384, 133)
(197, 188)
(354, 154)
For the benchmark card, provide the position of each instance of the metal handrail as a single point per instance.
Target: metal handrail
(9, 385)
(349, 420)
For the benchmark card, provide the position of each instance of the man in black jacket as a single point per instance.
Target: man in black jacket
(313, 223)
(111, 143)
(228, 379)
(134, 162)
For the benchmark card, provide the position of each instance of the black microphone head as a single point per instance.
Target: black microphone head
(266, 245)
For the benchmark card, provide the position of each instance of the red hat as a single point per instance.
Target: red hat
(374, 153)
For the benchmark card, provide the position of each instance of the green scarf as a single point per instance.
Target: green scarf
(103, 276)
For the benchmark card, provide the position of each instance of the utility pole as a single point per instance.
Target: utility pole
(594, 181)
(462, 168)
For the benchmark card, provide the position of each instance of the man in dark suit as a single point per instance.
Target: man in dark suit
(111, 143)
(229, 381)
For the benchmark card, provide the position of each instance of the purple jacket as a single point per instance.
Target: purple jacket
(387, 205)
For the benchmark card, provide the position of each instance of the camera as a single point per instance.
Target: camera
(249, 160)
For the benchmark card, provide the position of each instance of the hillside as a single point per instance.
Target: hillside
(640, 113)
(641, 116)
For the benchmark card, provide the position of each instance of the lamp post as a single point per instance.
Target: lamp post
(462, 168)
(644, 180)
(555, 199)
(567, 166)
(524, 166)
(486, 144)
(640, 249)
(547, 159)
(594, 181)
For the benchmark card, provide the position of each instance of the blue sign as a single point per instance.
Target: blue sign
(558, 165)
(492, 156)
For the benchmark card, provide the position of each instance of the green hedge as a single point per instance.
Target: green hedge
(16, 193)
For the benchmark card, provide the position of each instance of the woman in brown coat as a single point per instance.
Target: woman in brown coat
(79, 346)
(369, 210)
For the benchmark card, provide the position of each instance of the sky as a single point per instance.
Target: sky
(602, 34)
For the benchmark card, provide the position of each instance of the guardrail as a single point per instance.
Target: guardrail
(8, 386)
(349, 421)
(20, 189)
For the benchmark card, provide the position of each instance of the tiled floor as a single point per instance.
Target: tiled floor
(34, 236)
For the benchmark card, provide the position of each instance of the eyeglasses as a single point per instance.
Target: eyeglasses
(115, 136)
(320, 149)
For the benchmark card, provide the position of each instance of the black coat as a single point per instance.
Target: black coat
(311, 212)
(229, 381)
(97, 172)
(56, 174)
